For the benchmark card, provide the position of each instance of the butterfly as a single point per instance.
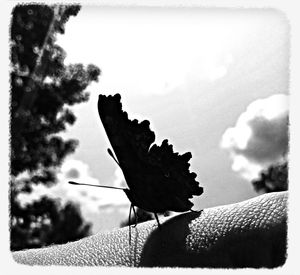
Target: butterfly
(158, 178)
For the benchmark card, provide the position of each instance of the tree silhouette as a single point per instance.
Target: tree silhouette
(273, 179)
(46, 222)
(42, 89)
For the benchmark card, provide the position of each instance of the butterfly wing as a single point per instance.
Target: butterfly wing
(158, 179)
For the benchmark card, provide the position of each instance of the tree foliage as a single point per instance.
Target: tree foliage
(273, 179)
(42, 90)
(45, 222)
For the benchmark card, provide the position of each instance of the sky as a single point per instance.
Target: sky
(213, 82)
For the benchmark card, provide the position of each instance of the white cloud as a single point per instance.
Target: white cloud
(260, 136)
(90, 199)
(149, 56)
(211, 64)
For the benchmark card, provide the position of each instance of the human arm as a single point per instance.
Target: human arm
(251, 233)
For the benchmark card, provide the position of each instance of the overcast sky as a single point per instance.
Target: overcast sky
(213, 82)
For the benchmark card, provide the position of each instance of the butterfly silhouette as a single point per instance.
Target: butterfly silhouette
(159, 179)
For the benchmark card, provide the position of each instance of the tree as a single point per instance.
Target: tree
(45, 222)
(273, 179)
(42, 90)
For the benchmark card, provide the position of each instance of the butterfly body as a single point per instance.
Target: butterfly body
(159, 179)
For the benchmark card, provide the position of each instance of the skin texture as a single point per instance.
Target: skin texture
(251, 233)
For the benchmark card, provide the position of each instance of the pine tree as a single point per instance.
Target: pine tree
(273, 179)
(42, 90)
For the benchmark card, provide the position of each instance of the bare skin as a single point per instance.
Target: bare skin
(251, 233)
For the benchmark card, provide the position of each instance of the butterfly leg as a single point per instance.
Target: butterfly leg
(135, 216)
(156, 217)
(129, 224)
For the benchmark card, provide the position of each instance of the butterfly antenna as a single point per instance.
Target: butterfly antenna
(156, 217)
(112, 155)
(104, 186)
